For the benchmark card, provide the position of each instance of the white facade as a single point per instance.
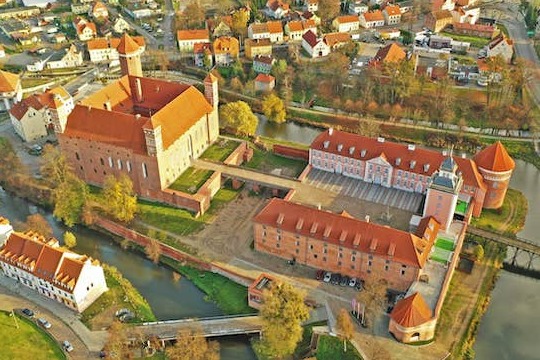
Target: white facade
(33, 124)
(367, 22)
(320, 49)
(357, 7)
(346, 27)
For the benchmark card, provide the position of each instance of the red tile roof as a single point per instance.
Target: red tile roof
(345, 19)
(495, 158)
(310, 38)
(48, 99)
(265, 78)
(274, 27)
(376, 15)
(8, 81)
(127, 45)
(345, 231)
(390, 53)
(411, 311)
(392, 10)
(426, 162)
(275, 4)
(332, 39)
(104, 43)
(201, 34)
(226, 45)
(475, 27)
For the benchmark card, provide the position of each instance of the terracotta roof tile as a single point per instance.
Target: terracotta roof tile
(332, 39)
(258, 42)
(345, 19)
(48, 99)
(69, 271)
(376, 15)
(295, 26)
(265, 78)
(127, 45)
(392, 10)
(405, 249)
(495, 158)
(275, 4)
(411, 311)
(274, 27)
(198, 34)
(475, 27)
(390, 53)
(8, 81)
(310, 38)
(259, 28)
(441, 14)
(226, 45)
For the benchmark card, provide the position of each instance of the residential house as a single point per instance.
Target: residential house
(466, 15)
(339, 243)
(105, 49)
(222, 29)
(371, 19)
(188, 38)
(10, 89)
(70, 57)
(307, 15)
(19, 12)
(439, 5)
(501, 46)
(277, 8)
(120, 25)
(392, 14)
(80, 8)
(265, 83)
(390, 53)
(311, 5)
(99, 11)
(357, 7)
(226, 50)
(480, 30)
(34, 115)
(73, 280)
(296, 29)
(440, 42)
(147, 129)
(257, 47)
(314, 46)
(389, 34)
(59, 38)
(346, 23)
(336, 40)
(85, 30)
(203, 55)
(257, 288)
(272, 30)
(275, 29)
(438, 20)
(263, 64)
(430, 65)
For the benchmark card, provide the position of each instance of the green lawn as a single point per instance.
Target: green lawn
(230, 297)
(331, 348)
(445, 244)
(191, 180)
(120, 289)
(27, 342)
(475, 41)
(220, 150)
(461, 207)
(267, 161)
(510, 218)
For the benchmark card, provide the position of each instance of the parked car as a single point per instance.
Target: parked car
(36, 150)
(336, 278)
(67, 346)
(327, 277)
(28, 312)
(121, 312)
(319, 275)
(44, 323)
(359, 285)
(344, 281)
(352, 282)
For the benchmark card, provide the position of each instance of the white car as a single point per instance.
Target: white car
(67, 346)
(327, 277)
(44, 323)
(352, 282)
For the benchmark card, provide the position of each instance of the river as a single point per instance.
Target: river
(509, 328)
(169, 299)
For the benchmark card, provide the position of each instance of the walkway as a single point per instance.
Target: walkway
(518, 243)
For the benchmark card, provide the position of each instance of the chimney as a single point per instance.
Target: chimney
(463, 155)
(367, 218)
(330, 131)
(319, 206)
(107, 105)
(138, 90)
(137, 116)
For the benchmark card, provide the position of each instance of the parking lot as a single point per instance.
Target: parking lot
(359, 189)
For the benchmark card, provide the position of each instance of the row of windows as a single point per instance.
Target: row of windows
(119, 164)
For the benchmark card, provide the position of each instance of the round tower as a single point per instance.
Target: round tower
(496, 167)
(129, 53)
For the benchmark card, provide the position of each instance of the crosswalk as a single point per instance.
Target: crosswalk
(355, 188)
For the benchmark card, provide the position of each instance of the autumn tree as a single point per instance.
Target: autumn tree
(11, 167)
(274, 109)
(192, 345)
(39, 224)
(240, 19)
(369, 128)
(193, 14)
(116, 346)
(283, 311)
(329, 9)
(345, 327)
(372, 297)
(54, 166)
(238, 118)
(70, 198)
(153, 250)
(70, 241)
(120, 200)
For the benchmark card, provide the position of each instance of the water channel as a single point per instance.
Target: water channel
(509, 329)
(168, 299)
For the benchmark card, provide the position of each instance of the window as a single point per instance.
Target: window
(315, 256)
(386, 267)
(264, 233)
(277, 245)
(110, 162)
(297, 251)
(77, 156)
(310, 247)
(340, 255)
(369, 263)
(353, 267)
(298, 243)
(119, 164)
(339, 263)
(353, 258)
(324, 258)
(402, 272)
(101, 161)
(325, 251)
(128, 166)
(145, 170)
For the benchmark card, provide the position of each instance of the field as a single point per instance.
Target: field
(191, 180)
(26, 342)
(220, 150)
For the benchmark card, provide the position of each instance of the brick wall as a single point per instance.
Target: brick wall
(237, 156)
(291, 152)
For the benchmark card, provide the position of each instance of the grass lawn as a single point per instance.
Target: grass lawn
(267, 161)
(510, 218)
(191, 180)
(445, 244)
(220, 150)
(31, 82)
(331, 348)
(461, 207)
(230, 297)
(119, 289)
(26, 342)
(475, 41)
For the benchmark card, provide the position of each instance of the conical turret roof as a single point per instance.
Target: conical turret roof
(411, 311)
(495, 158)
(127, 45)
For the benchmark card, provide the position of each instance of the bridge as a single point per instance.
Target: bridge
(517, 243)
(209, 327)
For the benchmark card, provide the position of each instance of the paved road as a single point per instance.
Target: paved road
(65, 322)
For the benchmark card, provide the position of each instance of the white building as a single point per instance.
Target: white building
(120, 25)
(315, 47)
(272, 30)
(10, 89)
(372, 19)
(277, 8)
(69, 278)
(346, 23)
(392, 14)
(188, 38)
(104, 49)
(69, 58)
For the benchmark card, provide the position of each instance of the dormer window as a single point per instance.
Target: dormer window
(326, 144)
(351, 150)
(340, 147)
(363, 152)
(426, 167)
(398, 161)
(413, 164)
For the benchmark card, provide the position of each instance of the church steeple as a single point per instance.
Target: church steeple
(130, 56)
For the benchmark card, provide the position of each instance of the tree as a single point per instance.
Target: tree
(121, 201)
(39, 224)
(238, 118)
(369, 128)
(70, 241)
(279, 68)
(240, 19)
(153, 250)
(274, 109)
(191, 345)
(193, 14)
(69, 199)
(372, 296)
(329, 9)
(54, 166)
(345, 327)
(116, 346)
(478, 252)
(283, 311)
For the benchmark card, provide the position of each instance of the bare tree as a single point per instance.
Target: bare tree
(153, 250)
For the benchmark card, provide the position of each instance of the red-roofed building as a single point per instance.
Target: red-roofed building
(85, 30)
(438, 20)
(390, 53)
(371, 19)
(203, 55)
(188, 38)
(226, 50)
(265, 83)
(99, 11)
(392, 14)
(277, 8)
(105, 49)
(501, 46)
(69, 278)
(412, 320)
(10, 89)
(257, 288)
(314, 46)
(342, 244)
(296, 29)
(346, 23)
(481, 30)
(147, 129)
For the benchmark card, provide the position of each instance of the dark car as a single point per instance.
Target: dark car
(28, 312)
(35, 150)
(344, 281)
(336, 278)
(359, 285)
(319, 275)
